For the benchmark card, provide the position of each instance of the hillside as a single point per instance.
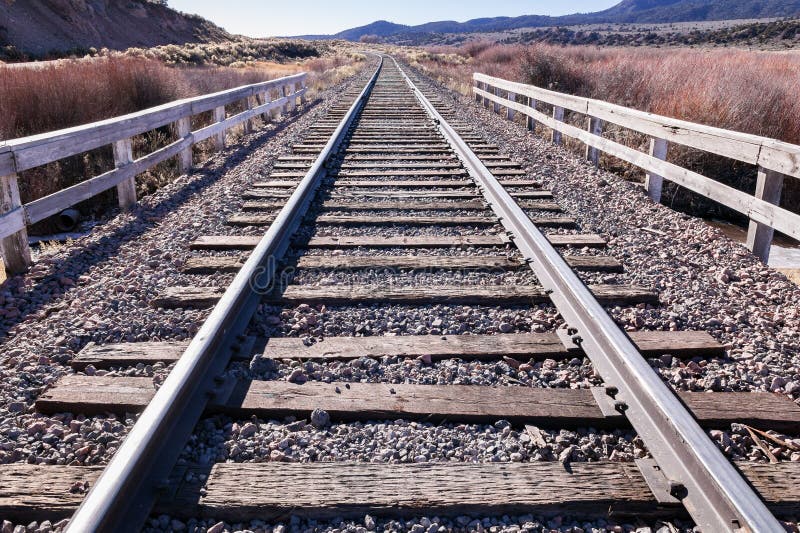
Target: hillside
(627, 11)
(38, 27)
(694, 10)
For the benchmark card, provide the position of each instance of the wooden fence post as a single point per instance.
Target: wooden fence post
(759, 236)
(595, 127)
(262, 98)
(15, 249)
(653, 182)
(529, 122)
(497, 105)
(285, 108)
(479, 85)
(295, 97)
(248, 124)
(289, 106)
(488, 89)
(123, 156)
(219, 138)
(183, 128)
(302, 85)
(511, 113)
(558, 114)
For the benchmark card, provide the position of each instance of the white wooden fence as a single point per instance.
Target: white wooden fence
(775, 160)
(30, 152)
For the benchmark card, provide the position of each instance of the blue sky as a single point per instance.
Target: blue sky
(258, 18)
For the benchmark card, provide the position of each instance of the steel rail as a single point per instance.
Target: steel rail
(714, 493)
(124, 494)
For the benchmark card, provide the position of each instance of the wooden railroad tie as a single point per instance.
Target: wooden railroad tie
(247, 242)
(520, 346)
(554, 408)
(212, 264)
(203, 297)
(413, 193)
(239, 492)
(247, 219)
(401, 205)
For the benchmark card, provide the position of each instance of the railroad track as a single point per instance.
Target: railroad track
(391, 182)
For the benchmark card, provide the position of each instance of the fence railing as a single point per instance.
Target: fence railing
(30, 152)
(775, 160)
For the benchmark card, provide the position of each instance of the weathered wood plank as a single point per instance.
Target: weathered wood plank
(436, 262)
(126, 190)
(203, 297)
(183, 129)
(561, 408)
(13, 234)
(654, 183)
(188, 297)
(58, 201)
(437, 164)
(490, 347)
(524, 346)
(334, 220)
(410, 184)
(131, 354)
(595, 127)
(49, 492)
(128, 354)
(332, 205)
(735, 145)
(219, 115)
(468, 295)
(360, 193)
(262, 220)
(210, 265)
(246, 242)
(558, 116)
(757, 209)
(351, 490)
(12, 221)
(44, 148)
(382, 158)
(759, 236)
(412, 172)
(337, 490)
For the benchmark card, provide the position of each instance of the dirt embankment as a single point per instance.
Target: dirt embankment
(39, 27)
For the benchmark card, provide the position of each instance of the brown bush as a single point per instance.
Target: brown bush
(69, 93)
(746, 91)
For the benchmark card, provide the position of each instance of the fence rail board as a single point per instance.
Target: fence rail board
(769, 155)
(26, 153)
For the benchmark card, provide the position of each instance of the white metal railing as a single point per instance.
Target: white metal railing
(26, 153)
(775, 159)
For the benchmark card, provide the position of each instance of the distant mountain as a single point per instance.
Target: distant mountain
(38, 27)
(380, 28)
(695, 10)
(627, 11)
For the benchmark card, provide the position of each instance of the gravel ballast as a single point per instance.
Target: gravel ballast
(98, 289)
(706, 282)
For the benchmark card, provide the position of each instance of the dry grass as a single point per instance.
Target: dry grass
(62, 95)
(753, 92)
(70, 93)
(747, 91)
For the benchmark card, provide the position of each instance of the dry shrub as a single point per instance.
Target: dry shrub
(752, 92)
(36, 100)
(70, 93)
(739, 90)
